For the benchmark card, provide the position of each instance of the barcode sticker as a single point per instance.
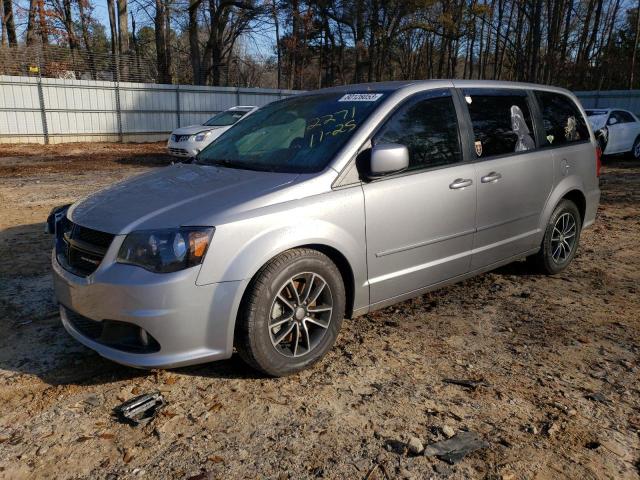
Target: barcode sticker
(360, 97)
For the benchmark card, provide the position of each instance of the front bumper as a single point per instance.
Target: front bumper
(192, 324)
(184, 149)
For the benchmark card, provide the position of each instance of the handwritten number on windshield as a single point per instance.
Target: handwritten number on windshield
(345, 117)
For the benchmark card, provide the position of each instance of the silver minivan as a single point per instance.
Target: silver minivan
(322, 206)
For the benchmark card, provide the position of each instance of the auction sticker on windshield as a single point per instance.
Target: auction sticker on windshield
(360, 97)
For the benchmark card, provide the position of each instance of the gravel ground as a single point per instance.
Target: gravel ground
(554, 361)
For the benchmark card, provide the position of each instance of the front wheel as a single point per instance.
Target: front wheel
(292, 313)
(561, 239)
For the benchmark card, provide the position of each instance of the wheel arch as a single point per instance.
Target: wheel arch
(570, 188)
(335, 255)
(577, 197)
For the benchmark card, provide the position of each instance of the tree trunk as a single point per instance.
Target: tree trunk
(9, 23)
(3, 28)
(86, 37)
(635, 48)
(113, 26)
(194, 43)
(68, 25)
(164, 75)
(276, 24)
(31, 22)
(123, 27)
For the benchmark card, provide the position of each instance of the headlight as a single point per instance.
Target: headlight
(164, 251)
(202, 135)
(54, 217)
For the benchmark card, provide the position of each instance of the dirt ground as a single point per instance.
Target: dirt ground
(558, 360)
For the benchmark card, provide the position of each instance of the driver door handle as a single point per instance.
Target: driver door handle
(490, 178)
(460, 183)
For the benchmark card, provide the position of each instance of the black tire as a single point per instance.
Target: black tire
(305, 270)
(635, 150)
(553, 258)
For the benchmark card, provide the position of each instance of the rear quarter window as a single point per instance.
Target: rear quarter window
(562, 120)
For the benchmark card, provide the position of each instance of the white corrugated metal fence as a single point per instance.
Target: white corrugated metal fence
(624, 99)
(51, 110)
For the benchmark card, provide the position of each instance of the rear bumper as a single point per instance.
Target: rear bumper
(192, 324)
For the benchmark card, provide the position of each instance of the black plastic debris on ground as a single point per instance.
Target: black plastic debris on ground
(454, 449)
(141, 409)
(597, 397)
(470, 384)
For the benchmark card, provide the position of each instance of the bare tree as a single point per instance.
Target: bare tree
(113, 26)
(123, 28)
(9, 23)
(31, 22)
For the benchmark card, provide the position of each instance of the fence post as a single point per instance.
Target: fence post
(237, 96)
(178, 104)
(597, 99)
(43, 110)
(117, 92)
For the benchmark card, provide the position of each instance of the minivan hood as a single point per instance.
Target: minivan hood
(193, 129)
(172, 196)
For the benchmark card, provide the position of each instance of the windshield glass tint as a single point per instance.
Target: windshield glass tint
(594, 113)
(296, 135)
(224, 119)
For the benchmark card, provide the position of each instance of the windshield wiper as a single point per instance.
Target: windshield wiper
(221, 162)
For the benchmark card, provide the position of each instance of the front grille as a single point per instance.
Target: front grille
(180, 138)
(79, 249)
(113, 333)
(178, 151)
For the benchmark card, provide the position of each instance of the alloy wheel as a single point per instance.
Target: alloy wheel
(563, 238)
(300, 314)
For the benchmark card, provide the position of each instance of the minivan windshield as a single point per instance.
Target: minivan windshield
(300, 134)
(224, 119)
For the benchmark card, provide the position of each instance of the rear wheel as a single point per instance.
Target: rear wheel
(635, 151)
(292, 313)
(561, 239)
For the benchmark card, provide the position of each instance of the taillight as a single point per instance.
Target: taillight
(598, 161)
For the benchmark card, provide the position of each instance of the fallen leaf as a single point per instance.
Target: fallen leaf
(107, 436)
(83, 438)
(216, 459)
(128, 456)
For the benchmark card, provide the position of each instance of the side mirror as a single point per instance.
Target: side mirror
(388, 158)
(612, 121)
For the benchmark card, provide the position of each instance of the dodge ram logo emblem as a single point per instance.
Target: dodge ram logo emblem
(90, 260)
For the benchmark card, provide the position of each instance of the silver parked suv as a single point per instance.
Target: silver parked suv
(320, 206)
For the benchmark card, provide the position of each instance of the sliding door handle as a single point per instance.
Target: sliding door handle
(490, 178)
(460, 183)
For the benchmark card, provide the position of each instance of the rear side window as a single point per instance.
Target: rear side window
(428, 126)
(622, 117)
(563, 122)
(501, 121)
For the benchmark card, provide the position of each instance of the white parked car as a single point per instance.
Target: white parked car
(618, 131)
(187, 142)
